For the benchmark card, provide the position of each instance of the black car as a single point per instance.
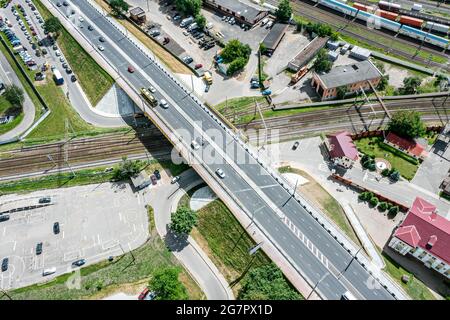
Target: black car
(90, 28)
(4, 217)
(56, 228)
(39, 248)
(45, 200)
(295, 146)
(157, 174)
(101, 39)
(78, 263)
(69, 71)
(5, 264)
(73, 78)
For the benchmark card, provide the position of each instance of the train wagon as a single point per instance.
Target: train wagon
(436, 27)
(389, 6)
(362, 7)
(387, 14)
(410, 21)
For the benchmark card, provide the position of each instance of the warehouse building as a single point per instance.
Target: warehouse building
(353, 77)
(307, 54)
(274, 37)
(243, 12)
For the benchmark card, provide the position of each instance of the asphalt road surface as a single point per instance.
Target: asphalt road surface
(319, 256)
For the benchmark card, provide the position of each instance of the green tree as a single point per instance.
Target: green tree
(166, 285)
(126, 169)
(284, 11)
(235, 66)
(266, 283)
(395, 176)
(393, 210)
(373, 201)
(14, 95)
(384, 81)
(322, 63)
(183, 220)
(385, 172)
(235, 49)
(189, 7)
(118, 7)
(407, 124)
(383, 206)
(341, 92)
(410, 85)
(53, 25)
(200, 20)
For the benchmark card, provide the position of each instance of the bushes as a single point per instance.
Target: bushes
(236, 54)
(383, 206)
(373, 201)
(393, 210)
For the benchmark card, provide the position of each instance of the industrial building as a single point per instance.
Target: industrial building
(307, 54)
(274, 37)
(243, 12)
(353, 77)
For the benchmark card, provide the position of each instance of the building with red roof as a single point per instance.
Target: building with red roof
(404, 145)
(425, 235)
(341, 149)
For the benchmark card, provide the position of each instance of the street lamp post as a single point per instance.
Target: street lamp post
(349, 263)
(317, 283)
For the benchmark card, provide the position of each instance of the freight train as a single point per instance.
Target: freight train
(373, 17)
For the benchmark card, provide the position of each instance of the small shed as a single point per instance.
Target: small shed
(274, 37)
(141, 180)
(360, 53)
(137, 14)
(332, 55)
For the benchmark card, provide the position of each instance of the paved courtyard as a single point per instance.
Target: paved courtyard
(88, 230)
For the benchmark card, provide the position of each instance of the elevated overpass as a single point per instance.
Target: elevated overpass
(309, 249)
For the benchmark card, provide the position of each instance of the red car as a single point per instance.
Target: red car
(198, 66)
(130, 69)
(143, 294)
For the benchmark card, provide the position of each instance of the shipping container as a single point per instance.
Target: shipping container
(387, 14)
(410, 21)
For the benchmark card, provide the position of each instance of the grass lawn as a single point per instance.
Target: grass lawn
(163, 55)
(315, 193)
(414, 288)
(4, 106)
(93, 79)
(227, 243)
(375, 147)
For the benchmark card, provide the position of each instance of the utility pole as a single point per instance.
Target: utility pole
(66, 146)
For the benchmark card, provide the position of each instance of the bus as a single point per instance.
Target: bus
(348, 296)
(149, 97)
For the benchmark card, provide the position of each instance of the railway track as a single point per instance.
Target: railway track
(308, 9)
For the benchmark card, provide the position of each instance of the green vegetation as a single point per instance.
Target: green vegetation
(189, 7)
(227, 244)
(322, 30)
(414, 288)
(183, 220)
(53, 25)
(284, 11)
(167, 286)
(444, 195)
(322, 63)
(95, 81)
(267, 283)
(7, 109)
(330, 206)
(118, 7)
(375, 148)
(14, 95)
(407, 124)
(236, 54)
(127, 169)
(200, 20)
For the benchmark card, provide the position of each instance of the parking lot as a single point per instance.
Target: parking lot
(96, 221)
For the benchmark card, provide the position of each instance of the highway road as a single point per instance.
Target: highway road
(311, 249)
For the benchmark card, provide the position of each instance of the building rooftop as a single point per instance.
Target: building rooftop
(246, 10)
(274, 36)
(341, 145)
(348, 74)
(140, 179)
(137, 11)
(408, 145)
(425, 228)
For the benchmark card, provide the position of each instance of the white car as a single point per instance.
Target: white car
(101, 48)
(58, 53)
(81, 19)
(220, 173)
(152, 89)
(195, 145)
(164, 104)
(175, 179)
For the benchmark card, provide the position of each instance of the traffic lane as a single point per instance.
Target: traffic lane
(139, 52)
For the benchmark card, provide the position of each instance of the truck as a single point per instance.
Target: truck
(192, 27)
(208, 77)
(297, 76)
(59, 80)
(187, 21)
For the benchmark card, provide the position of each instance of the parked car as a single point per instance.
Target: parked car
(163, 104)
(220, 173)
(198, 66)
(131, 69)
(73, 78)
(175, 179)
(157, 174)
(45, 200)
(78, 263)
(5, 264)
(295, 146)
(56, 228)
(143, 294)
(39, 248)
(101, 39)
(4, 217)
(153, 179)
(267, 92)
